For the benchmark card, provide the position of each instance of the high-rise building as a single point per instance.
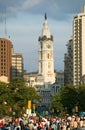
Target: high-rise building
(17, 65)
(79, 47)
(68, 63)
(46, 56)
(5, 60)
(11, 64)
(74, 67)
(59, 78)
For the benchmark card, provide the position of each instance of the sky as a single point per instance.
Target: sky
(24, 22)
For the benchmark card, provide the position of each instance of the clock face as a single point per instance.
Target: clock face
(48, 46)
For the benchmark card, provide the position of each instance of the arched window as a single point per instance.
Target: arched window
(48, 56)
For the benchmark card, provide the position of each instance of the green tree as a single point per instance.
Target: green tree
(56, 103)
(15, 95)
(81, 98)
(20, 94)
(69, 97)
(66, 99)
(4, 90)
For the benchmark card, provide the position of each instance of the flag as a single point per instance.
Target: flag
(29, 104)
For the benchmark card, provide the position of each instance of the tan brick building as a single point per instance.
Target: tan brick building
(5, 60)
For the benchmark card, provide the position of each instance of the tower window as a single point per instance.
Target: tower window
(41, 55)
(48, 56)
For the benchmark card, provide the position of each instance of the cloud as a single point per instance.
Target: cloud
(56, 9)
(30, 4)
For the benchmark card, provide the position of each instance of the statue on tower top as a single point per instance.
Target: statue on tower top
(45, 16)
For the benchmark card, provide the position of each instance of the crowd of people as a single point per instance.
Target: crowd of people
(42, 123)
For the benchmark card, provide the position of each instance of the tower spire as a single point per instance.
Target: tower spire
(46, 30)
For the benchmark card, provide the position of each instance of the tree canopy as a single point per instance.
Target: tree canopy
(15, 95)
(70, 99)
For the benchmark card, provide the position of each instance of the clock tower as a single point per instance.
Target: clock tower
(46, 57)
